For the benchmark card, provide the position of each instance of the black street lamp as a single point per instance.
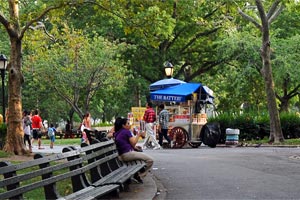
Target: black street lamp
(169, 69)
(3, 63)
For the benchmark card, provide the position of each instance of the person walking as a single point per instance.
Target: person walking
(26, 122)
(163, 121)
(126, 145)
(149, 118)
(51, 135)
(37, 125)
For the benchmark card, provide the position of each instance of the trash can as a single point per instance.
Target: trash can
(232, 136)
(210, 134)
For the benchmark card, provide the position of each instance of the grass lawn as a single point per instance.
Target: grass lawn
(4, 154)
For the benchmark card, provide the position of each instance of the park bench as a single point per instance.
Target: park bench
(72, 174)
(59, 134)
(109, 169)
(75, 134)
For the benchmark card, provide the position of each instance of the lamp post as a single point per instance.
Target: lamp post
(169, 69)
(3, 63)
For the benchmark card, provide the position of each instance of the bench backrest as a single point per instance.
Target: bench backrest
(46, 172)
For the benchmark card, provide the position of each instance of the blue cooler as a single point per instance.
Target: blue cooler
(232, 136)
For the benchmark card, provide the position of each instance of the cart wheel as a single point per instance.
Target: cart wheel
(179, 135)
(195, 145)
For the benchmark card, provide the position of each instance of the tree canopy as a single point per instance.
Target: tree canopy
(101, 55)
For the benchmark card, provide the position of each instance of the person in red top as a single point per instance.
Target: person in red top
(149, 118)
(36, 128)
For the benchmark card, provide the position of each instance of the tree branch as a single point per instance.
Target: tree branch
(205, 67)
(198, 35)
(3, 20)
(251, 19)
(47, 10)
(275, 15)
(273, 8)
(7, 26)
(294, 92)
(41, 25)
(261, 11)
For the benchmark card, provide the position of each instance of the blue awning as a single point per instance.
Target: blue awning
(179, 93)
(165, 83)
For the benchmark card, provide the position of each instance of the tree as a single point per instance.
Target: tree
(238, 80)
(17, 17)
(76, 67)
(286, 58)
(266, 71)
(286, 70)
(182, 32)
(243, 82)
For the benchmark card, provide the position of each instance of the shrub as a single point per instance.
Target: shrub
(290, 124)
(103, 124)
(255, 126)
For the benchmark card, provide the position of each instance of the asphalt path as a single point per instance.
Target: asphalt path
(227, 173)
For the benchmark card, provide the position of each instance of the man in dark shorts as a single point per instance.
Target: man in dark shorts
(36, 128)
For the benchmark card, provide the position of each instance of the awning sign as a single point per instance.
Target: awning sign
(161, 97)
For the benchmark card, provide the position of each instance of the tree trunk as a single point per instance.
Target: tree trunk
(14, 140)
(284, 104)
(275, 126)
(71, 113)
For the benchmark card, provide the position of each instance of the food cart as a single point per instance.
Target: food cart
(187, 104)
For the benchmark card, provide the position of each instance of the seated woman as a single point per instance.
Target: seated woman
(126, 141)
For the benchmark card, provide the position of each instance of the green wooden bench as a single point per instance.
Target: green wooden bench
(94, 171)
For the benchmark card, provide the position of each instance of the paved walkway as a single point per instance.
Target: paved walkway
(46, 149)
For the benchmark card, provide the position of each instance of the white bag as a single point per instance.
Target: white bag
(82, 127)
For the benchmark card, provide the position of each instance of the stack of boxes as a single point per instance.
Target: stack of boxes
(200, 119)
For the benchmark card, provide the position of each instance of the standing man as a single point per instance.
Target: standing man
(68, 128)
(150, 118)
(163, 120)
(36, 128)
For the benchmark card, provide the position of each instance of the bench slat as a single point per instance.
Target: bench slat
(39, 172)
(119, 176)
(91, 192)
